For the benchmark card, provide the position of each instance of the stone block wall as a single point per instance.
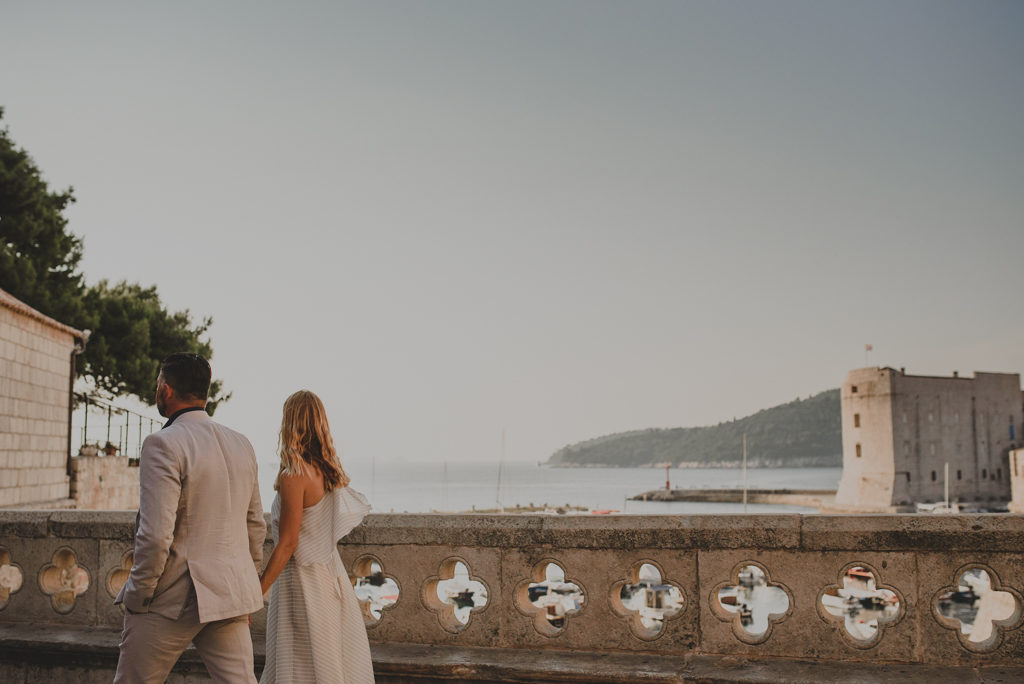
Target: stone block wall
(35, 367)
(104, 483)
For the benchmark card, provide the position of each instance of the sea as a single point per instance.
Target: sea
(458, 487)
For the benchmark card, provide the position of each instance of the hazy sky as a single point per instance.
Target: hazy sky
(564, 219)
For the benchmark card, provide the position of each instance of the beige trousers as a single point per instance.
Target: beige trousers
(151, 644)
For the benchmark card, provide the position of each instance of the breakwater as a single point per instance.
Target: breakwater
(789, 497)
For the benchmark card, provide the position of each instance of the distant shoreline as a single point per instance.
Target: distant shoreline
(712, 465)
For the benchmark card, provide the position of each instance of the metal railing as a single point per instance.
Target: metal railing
(101, 427)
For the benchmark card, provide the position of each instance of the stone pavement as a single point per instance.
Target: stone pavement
(42, 653)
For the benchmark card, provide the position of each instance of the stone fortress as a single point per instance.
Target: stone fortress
(900, 431)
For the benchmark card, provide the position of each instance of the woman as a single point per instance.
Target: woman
(315, 630)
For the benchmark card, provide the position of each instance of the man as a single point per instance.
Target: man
(198, 539)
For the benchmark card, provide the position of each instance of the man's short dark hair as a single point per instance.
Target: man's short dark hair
(187, 374)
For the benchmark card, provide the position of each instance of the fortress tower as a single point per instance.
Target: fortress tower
(1017, 481)
(899, 431)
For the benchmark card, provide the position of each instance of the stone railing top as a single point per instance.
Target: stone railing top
(783, 532)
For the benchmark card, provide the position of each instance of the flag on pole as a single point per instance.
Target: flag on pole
(868, 347)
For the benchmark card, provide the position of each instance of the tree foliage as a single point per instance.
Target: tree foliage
(136, 332)
(39, 264)
(38, 257)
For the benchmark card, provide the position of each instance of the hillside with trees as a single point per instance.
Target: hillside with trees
(801, 433)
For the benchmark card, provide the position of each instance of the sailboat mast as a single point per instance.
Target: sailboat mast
(744, 473)
(501, 466)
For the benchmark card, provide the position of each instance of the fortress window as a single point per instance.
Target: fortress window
(984, 474)
(858, 450)
(933, 476)
(908, 476)
(999, 473)
(853, 389)
(959, 475)
(856, 420)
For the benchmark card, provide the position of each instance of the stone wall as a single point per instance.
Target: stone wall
(60, 571)
(35, 367)
(899, 432)
(104, 483)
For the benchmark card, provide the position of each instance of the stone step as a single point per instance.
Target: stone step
(31, 653)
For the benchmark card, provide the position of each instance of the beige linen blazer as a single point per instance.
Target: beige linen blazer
(200, 523)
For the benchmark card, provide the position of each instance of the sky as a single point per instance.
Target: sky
(556, 220)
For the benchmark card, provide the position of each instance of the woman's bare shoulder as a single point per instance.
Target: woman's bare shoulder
(291, 483)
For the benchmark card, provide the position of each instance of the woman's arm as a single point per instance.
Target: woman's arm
(291, 488)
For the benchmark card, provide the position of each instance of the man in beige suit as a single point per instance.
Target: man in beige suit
(198, 540)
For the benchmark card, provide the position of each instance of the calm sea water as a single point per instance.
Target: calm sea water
(457, 487)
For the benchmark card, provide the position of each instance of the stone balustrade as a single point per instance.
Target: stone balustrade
(481, 596)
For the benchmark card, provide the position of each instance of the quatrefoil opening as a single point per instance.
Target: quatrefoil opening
(978, 608)
(454, 595)
(11, 577)
(119, 575)
(550, 598)
(647, 600)
(863, 605)
(377, 591)
(63, 580)
(752, 603)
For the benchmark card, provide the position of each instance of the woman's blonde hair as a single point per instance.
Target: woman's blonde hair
(305, 441)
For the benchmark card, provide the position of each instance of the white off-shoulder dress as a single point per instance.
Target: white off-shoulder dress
(315, 630)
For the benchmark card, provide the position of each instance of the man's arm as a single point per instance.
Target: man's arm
(257, 527)
(159, 495)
